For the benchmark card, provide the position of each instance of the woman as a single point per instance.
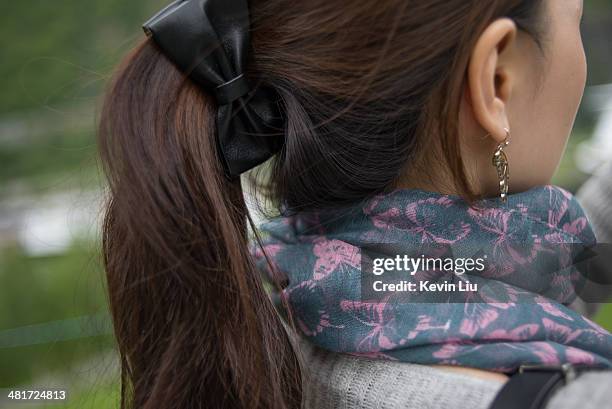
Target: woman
(358, 103)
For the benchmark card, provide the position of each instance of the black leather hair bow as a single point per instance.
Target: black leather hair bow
(209, 40)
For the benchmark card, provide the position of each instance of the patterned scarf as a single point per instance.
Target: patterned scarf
(518, 316)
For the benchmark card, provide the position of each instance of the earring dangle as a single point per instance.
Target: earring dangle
(500, 161)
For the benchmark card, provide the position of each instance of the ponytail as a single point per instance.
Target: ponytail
(194, 325)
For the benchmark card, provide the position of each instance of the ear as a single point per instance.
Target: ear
(490, 77)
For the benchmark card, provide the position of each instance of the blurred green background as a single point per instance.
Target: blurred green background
(55, 59)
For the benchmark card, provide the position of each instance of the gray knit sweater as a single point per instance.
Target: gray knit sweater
(342, 381)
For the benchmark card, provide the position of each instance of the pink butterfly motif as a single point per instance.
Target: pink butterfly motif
(478, 316)
(575, 227)
(385, 220)
(332, 254)
(449, 353)
(507, 252)
(544, 351)
(378, 316)
(425, 324)
(324, 319)
(560, 333)
(578, 356)
(382, 220)
(551, 309)
(520, 333)
(423, 221)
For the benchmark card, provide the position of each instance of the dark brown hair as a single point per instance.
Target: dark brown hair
(365, 84)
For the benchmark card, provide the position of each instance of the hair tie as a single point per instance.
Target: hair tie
(209, 41)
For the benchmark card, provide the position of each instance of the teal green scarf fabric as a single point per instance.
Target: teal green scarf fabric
(517, 316)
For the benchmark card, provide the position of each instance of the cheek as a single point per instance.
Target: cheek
(565, 88)
(576, 77)
(561, 97)
(547, 121)
(571, 78)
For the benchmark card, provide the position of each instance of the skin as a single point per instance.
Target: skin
(536, 94)
(539, 106)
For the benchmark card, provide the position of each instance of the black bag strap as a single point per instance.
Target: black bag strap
(532, 386)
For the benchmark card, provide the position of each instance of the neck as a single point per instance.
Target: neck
(430, 178)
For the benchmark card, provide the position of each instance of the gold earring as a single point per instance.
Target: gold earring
(500, 161)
